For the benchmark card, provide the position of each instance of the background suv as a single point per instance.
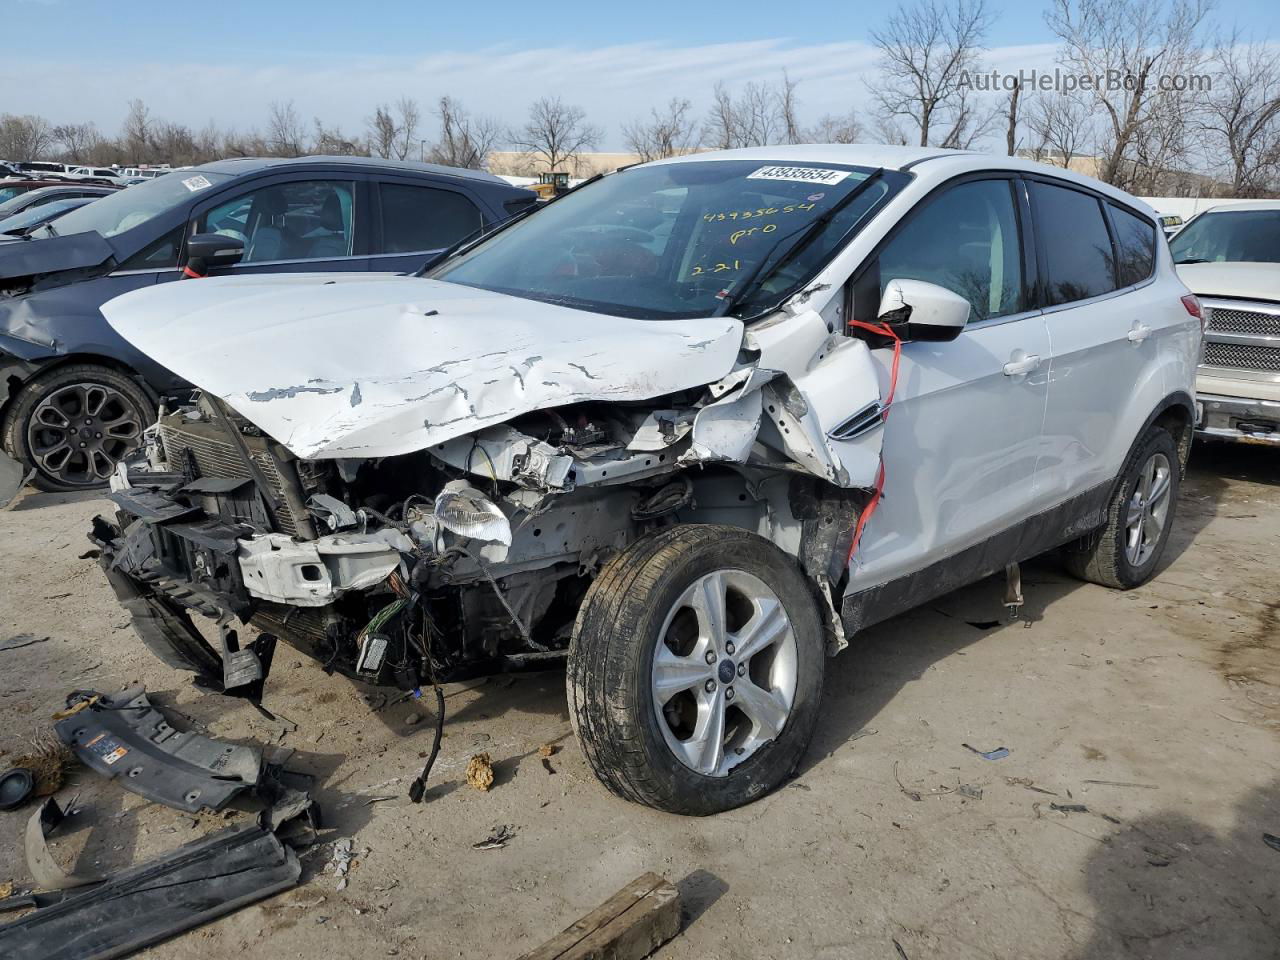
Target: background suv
(1230, 257)
(75, 397)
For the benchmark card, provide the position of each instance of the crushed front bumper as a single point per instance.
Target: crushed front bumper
(1240, 419)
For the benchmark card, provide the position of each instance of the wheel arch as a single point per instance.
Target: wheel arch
(1177, 414)
(14, 383)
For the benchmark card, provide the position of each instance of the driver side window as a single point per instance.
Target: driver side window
(965, 239)
(300, 220)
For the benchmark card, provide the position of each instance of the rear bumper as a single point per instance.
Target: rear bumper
(1239, 419)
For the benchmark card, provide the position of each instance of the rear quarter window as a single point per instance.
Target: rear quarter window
(423, 218)
(1136, 246)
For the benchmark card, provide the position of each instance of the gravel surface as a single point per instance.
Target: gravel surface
(1158, 710)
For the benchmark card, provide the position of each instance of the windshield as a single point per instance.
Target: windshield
(676, 240)
(1251, 236)
(40, 214)
(8, 193)
(126, 209)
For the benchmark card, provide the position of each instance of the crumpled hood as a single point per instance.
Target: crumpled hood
(352, 365)
(49, 255)
(1248, 281)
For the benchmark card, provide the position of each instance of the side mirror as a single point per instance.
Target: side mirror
(923, 311)
(205, 251)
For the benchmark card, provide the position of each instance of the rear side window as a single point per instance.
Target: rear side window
(422, 218)
(1135, 245)
(965, 239)
(1077, 246)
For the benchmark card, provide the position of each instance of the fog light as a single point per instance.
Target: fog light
(461, 508)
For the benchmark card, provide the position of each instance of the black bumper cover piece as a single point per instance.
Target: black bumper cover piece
(196, 883)
(123, 736)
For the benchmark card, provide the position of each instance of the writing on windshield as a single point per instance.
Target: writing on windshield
(672, 239)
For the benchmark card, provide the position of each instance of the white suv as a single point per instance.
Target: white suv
(1230, 257)
(688, 428)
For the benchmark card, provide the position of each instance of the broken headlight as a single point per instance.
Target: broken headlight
(462, 509)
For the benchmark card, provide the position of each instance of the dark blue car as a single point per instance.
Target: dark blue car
(75, 397)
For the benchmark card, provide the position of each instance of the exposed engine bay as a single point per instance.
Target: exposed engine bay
(471, 557)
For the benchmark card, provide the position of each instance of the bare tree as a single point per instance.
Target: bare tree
(831, 129)
(26, 137)
(926, 51)
(1143, 43)
(286, 135)
(1011, 121)
(1242, 115)
(760, 114)
(1059, 125)
(409, 118)
(668, 133)
(384, 132)
(394, 131)
(136, 134)
(555, 134)
(465, 140)
(968, 122)
(77, 140)
(787, 110)
(334, 142)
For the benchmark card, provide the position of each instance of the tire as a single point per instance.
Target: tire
(73, 424)
(638, 604)
(1108, 555)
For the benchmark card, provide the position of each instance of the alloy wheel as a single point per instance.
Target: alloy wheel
(724, 671)
(78, 433)
(1148, 509)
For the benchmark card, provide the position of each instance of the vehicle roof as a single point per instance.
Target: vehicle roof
(36, 183)
(72, 188)
(1243, 205)
(242, 165)
(933, 163)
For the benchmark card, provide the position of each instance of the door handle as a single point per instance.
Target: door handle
(1139, 332)
(1016, 368)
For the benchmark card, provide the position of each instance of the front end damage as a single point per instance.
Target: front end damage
(471, 555)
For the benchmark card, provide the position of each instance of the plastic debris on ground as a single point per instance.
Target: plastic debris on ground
(497, 839)
(341, 861)
(124, 737)
(16, 787)
(999, 753)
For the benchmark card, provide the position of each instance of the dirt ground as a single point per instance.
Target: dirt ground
(1174, 687)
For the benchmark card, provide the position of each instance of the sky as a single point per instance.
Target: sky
(224, 62)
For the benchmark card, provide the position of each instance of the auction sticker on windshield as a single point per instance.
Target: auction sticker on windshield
(196, 183)
(800, 175)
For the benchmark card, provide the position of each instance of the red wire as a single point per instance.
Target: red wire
(884, 330)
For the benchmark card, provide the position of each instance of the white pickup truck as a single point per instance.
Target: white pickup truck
(1230, 258)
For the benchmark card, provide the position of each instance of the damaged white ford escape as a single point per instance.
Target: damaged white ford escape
(688, 428)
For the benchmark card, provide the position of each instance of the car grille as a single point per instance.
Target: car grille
(201, 447)
(1239, 356)
(1224, 320)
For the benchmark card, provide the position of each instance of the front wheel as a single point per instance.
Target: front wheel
(1125, 552)
(73, 424)
(695, 669)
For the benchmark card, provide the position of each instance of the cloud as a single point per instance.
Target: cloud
(613, 84)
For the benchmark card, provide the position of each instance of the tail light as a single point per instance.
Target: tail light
(1192, 304)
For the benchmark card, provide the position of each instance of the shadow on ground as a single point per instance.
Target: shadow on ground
(1168, 886)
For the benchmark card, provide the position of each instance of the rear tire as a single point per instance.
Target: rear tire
(675, 712)
(73, 424)
(1125, 552)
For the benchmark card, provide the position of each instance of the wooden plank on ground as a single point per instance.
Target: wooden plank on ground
(630, 925)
